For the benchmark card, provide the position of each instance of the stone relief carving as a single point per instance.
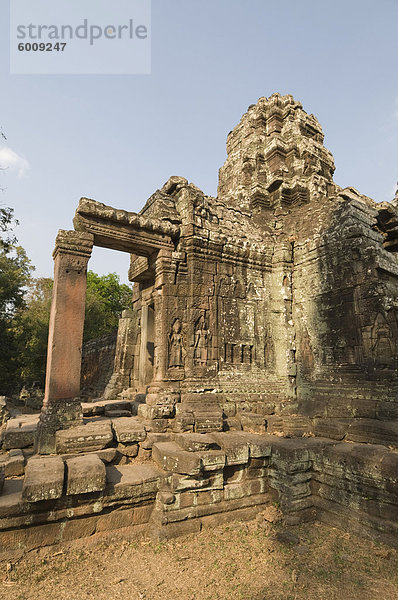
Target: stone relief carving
(382, 344)
(175, 345)
(202, 339)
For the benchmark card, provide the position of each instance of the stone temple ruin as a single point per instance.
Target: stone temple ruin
(258, 362)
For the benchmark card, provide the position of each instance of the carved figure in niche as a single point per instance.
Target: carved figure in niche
(239, 290)
(202, 338)
(175, 343)
(382, 344)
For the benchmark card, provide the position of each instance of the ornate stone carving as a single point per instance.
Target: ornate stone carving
(383, 346)
(202, 339)
(176, 345)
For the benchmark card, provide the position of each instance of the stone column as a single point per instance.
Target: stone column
(143, 346)
(61, 408)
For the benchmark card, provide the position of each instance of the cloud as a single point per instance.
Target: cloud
(11, 160)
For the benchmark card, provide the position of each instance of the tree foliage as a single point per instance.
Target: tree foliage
(105, 300)
(106, 297)
(31, 331)
(15, 273)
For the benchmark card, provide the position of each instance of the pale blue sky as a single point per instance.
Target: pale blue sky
(119, 138)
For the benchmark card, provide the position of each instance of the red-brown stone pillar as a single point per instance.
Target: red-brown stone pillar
(61, 408)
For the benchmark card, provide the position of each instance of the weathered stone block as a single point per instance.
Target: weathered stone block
(15, 463)
(195, 442)
(374, 431)
(85, 474)
(20, 432)
(232, 424)
(128, 430)
(157, 425)
(170, 457)
(259, 445)
(107, 455)
(44, 479)
(130, 450)
(212, 460)
(132, 481)
(252, 422)
(205, 422)
(84, 438)
(232, 491)
(153, 438)
(210, 480)
(235, 447)
(335, 429)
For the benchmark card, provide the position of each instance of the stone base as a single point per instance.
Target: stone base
(181, 482)
(56, 415)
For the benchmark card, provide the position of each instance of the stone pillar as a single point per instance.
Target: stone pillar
(143, 346)
(61, 408)
(122, 375)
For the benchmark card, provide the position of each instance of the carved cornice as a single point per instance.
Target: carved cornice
(73, 243)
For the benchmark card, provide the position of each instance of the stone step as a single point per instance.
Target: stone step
(11, 498)
(132, 481)
(128, 430)
(20, 432)
(195, 442)
(85, 474)
(92, 436)
(101, 407)
(171, 457)
(44, 479)
(13, 463)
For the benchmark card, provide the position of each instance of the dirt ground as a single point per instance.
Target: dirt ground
(236, 561)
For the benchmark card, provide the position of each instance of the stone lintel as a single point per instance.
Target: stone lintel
(123, 230)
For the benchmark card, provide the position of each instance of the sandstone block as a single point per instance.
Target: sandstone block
(206, 421)
(92, 409)
(259, 445)
(335, 429)
(132, 481)
(128, 430)
(195, 442)
(153, 438)
(374, 432)
(85, 474)
(252, 422)
(235, 447)
(130, 450)
(84, 438)
(15, 463)
(212, 460)
(170, 457)
(44, 479)
(113, 414)
(20, 432)
(209, 481)
(156, 425)
(107, 455)
(232, 424)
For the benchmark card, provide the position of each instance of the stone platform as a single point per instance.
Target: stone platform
(113, 475)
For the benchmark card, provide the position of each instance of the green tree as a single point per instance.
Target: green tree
(106, 297)
(31, 330)
(15, 273)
